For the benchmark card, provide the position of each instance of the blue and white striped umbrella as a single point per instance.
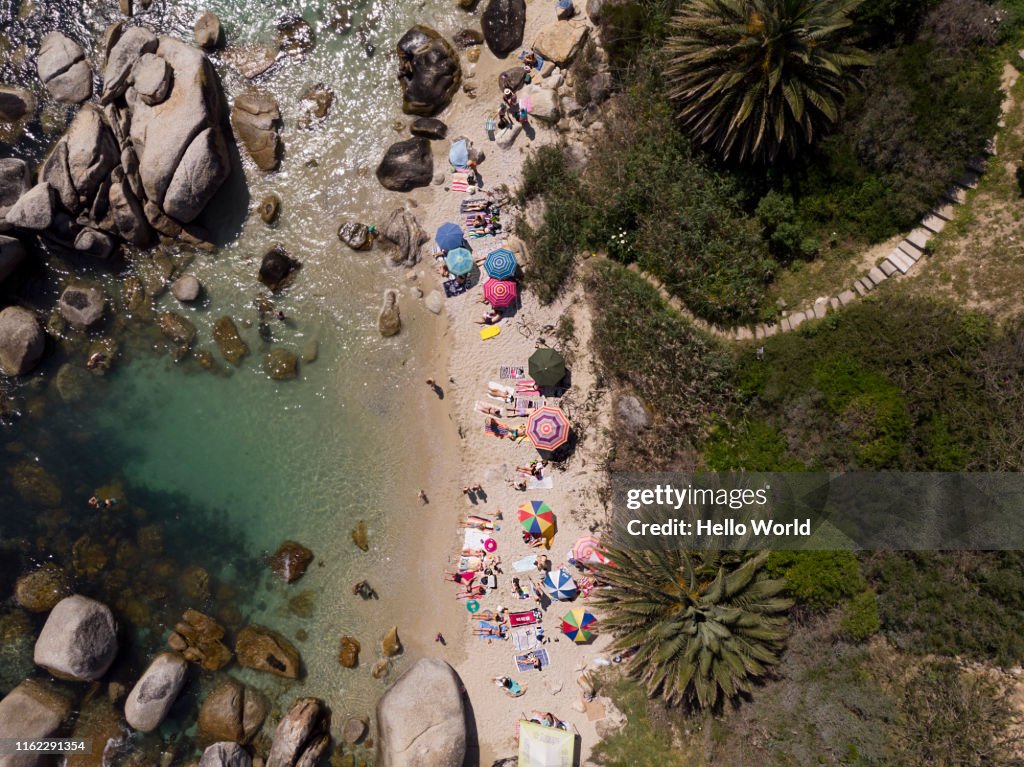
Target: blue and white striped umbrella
(501, 264)
(560, 585)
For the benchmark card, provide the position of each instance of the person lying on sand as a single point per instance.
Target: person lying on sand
(465, 576)
(472, 592)
(491, 317)
(489, 631)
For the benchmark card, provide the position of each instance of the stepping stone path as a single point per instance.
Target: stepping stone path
(900, 261)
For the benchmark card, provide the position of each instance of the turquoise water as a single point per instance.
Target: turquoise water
(228, 463)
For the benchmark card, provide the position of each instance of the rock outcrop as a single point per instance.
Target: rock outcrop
(31, 711)
(232, 711)
(40, 590)
(78, 641)
(302, 736)
(256, 119)
(429, 127)
(21, 341)
(232, 347)
(290, 561)
(208, 31)
(63, 69)
(12, 253)
(504, 22)
(355, 235)
(431, 73)
(560, 41)
(259, 648)
(406, 165)
(34, 210)
(155, 692)
(15, 180)
(277, 268)
(421, 719)
(225, 754)
(403, 230)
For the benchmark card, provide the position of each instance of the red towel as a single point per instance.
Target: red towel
(521, 619)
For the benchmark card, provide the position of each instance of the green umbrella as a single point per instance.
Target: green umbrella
(547, 367)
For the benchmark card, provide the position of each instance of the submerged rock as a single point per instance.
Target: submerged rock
(421, 719)
(389, 321)
(256, 118)
(302, 736)
(277, 268)
(282, 364)
(355, 235)
(432, 72)
(22, 341)
(406, 165)
(78, 641)
(361, 536)
(33, 710)
(390, 645)
(295, 36)
(232, 711)
(40, 590)
(207, 30)
(290, 561)
(262, 649)
(504, 22)
(270, 208)
(225, 754)
(348, 654)
(186, 288)
(317, 100)
(155, 692)
(177, 328)
(16, 103)
(230, 343)
(354, 729)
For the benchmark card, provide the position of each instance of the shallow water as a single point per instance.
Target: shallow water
(228, 465)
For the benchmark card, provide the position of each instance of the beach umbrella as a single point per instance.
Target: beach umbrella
(560, 585)
(501, 264)
(449, 236)
(547, 428)
(458, 155)
(547, 366)
(500, 293)
(578, 625)
(460, 261)
(587, 550)
(537, 517)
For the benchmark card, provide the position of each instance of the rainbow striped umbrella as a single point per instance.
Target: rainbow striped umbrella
(578, 625)
(537, 517)
(587, 550)
(548, 428)
(460, 261)
(560, 585)
(501, 264)
(500, 293)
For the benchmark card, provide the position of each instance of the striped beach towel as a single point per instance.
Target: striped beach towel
(511, 372)
(460, 181)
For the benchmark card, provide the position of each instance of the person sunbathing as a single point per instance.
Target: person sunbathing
(491, 317)
(535, 661)
(500, 392)
(463, 577)
(529, 60)
(490, 631)
(472, 592)
(490, 410)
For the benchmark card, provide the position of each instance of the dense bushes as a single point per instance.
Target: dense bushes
(644, 347)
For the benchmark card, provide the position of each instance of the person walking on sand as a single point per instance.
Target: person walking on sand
(422, 496)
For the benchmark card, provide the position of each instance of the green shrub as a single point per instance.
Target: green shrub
(860, 617)
(545, 170)
(818, 579)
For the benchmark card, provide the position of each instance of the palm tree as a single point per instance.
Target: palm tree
(758, 77)
(705, 623)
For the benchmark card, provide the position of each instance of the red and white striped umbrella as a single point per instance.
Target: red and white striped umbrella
(500, 293)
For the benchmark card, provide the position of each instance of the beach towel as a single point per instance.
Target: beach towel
(474, 539)
(532, 483)
(525, 564)
(460, 181)
(470, 564)
(525, 639)
(454, 288)
(510, 392)
(540, 59)
(525, 662)
(481, 407)
(526, 104)
(489, 332)
(485, 625)
(509, 372)
(522, 619)
(498, 430)
(528, 403)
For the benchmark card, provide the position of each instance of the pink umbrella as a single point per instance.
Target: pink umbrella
(547, 428)
(500, 293)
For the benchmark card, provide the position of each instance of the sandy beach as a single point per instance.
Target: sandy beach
(461, 454)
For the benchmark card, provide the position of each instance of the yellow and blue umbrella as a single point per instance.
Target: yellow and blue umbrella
(578, 625)
(460, 261)
(537, 517)
(560, 585)
(501, 264)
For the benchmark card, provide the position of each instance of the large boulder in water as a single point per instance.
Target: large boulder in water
(504, 22)
(81, 305)
(259, 648)
(429, 127)
(63, 69)
(302, 736)
(290, 561)
(133, 44)
(21, 341)
(403, 230)
(225, 754)
(277, 268)
(406, 165)
(421, 719)
(208, 30)
(155, 692)
(34, 210)
(16, 103)
(31, 711)
(40, 590)
(12, 253)
(256, 118)
(231, 345)
(179, 142)
(389, 321)
(433, 73)
(232, 711)
(78, 641)
(15, 180)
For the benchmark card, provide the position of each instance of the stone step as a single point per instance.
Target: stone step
(785, 325)
(820, 310)
(846, 298)
(770, 330)
(888, 268)
(877, 276)
(919, 237)
(909, 251)
(901, 261)
(957, 195)
(861, 288)
(969, 179)
(977, 164)
(834, 303)
(934, 223)
(946, 211)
